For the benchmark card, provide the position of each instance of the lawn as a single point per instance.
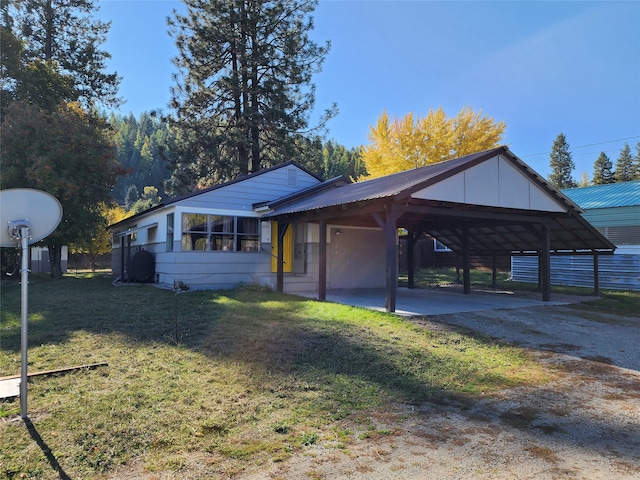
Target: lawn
(206, 384)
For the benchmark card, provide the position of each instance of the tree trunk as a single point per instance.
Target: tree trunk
(235, 47)
(55, 260)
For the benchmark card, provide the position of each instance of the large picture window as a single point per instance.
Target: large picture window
(220, 233)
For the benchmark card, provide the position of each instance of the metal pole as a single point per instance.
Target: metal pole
(24, 278)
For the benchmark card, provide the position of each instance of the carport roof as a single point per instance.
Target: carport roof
(439, 199)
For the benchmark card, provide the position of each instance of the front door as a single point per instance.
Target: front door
(287, 247)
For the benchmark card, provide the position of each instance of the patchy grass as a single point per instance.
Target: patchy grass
(617, 302)
(625, 303)
(217, 382)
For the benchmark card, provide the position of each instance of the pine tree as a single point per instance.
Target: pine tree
(603, 170)
(561, 164)
(65, 35)
(624, 165)
(244, 90)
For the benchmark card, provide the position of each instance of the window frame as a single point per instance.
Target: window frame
(220, 233)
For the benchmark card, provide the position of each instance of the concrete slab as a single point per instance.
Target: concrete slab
(439, 301)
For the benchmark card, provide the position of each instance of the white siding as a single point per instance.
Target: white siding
(240, 196)
(493, 183)
(356, 258)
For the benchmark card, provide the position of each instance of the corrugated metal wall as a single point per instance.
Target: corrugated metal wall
(617, 272)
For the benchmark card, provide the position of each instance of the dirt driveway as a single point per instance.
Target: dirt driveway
(585, 424)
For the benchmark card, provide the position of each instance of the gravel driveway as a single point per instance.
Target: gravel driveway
(585, 424)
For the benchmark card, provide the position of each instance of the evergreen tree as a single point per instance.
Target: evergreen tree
(139, 146)
(561, 164)
(603, 170)
(133, 195)
(625, 165)
(244, 90)
(64, 34)
(50, 141)
(340, 161)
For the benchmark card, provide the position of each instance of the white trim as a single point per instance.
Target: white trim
(137, 229)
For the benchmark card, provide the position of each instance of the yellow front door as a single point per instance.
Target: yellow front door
(287, 248)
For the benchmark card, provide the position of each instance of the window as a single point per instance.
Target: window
(219, 233)
(170, 217)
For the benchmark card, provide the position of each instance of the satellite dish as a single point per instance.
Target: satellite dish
(26, 216)
(19, 207)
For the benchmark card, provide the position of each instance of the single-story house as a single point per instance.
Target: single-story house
(285, 228)
(614, 210)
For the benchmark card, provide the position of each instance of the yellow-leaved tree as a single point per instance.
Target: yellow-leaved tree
(99, 242)
(407, 143)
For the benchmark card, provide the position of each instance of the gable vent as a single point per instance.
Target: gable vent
(292, 177)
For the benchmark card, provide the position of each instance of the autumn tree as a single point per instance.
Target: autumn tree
(98, 241)
(561, 164)
(603, 170)
(406, 143)
(625, 168)
(67, 153)
(52, 139)
(243, 93)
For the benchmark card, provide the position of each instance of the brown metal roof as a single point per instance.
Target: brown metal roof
(491, 229)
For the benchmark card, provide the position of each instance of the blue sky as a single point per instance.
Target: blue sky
(542, 67)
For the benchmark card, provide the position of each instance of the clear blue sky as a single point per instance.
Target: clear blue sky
(542, 67)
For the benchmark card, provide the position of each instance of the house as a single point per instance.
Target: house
(613, 209)
(285, 228)
(211, 238)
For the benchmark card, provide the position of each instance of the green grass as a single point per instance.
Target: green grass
(617, 302)
(216, 382)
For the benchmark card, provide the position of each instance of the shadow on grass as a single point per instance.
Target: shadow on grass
(351, 364)
(53, 461)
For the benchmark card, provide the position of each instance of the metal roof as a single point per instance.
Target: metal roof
(611, 195)
(401, 184)
(491, 229)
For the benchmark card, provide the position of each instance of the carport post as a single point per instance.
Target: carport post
(494, 271)
(388, 226)
(544, 264)
(322, 267)
(466, 261)
(410, 268)
(282, 229)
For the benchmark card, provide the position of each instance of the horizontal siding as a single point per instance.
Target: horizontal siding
(613, 217)
(616, 272)
(242, 195)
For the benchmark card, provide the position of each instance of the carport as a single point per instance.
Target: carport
(489, 203)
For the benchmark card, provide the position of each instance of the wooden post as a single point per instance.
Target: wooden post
(122, 279)
(391, 234)
(466, 262)
(388, 226)
(494, 273)
(545, 264)
(129, 258)
(322, 262)
(282, 229)
(410, 267)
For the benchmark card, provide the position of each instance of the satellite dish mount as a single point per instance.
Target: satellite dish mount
(30, 216)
